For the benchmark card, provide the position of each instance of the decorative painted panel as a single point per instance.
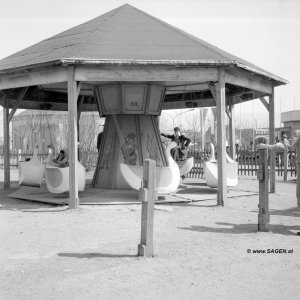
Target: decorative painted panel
(134, 97)
(155, 99)
(110, 99)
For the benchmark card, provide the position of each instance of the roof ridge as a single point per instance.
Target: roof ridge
(86, 36)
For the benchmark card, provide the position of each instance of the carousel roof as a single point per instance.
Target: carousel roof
(129, 36)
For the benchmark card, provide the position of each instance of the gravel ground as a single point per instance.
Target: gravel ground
(202, 251)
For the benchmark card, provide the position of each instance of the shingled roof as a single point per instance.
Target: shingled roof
(129, 36)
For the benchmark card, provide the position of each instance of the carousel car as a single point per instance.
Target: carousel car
(211, 170)
(57, 178)
(167, 178)
(31, 172)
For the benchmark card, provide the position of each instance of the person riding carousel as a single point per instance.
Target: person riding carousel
(182, 141)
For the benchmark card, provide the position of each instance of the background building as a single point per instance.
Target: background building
(32, 127)
(291, 122)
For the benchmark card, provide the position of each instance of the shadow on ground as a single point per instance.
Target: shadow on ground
(197, 191)
(290, 212)
(243, 228)
(94, 255)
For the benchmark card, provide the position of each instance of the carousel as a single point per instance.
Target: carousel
(128, 66)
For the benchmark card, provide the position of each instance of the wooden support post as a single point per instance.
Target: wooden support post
(221, 138)
(72, 132)
(272, 141)
(202, 129)
(285, 165)
(19, 100)
(232, 133)
(6, 150)
(147, 196)
(79, 110)
(263, 177)
(297, 145)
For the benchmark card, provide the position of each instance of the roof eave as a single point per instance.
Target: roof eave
(132, 62)
(278, 79)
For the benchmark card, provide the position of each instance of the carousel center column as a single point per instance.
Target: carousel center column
(131, 132)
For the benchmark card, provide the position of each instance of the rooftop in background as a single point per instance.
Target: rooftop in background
(290, 116)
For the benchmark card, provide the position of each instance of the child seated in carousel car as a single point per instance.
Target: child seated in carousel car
(61, 159)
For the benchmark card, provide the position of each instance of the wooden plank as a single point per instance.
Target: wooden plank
(32, 104)
(6, 150)
(297, 145)
(79, 107)
(72, 132)
(17, 104)
(208, 102)
(31, 78)
(98, 102)
(147, 196)
(146, 73)
(265, 103)
(202, 129)
(79, 110)
(285, 165)
(221, 138)
(212, 89)
(272, 141)
(243, 79)
(245, 152)
(263, 214)
(232, 133)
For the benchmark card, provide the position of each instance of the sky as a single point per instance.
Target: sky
(263, 32)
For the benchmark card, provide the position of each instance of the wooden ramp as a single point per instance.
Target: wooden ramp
(192, 192)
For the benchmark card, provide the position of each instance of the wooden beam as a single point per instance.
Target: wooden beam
(186, 88)
(146, 73)
(263, 207)
(210, 102)
(221, 138)
(212, 89)
(79, 110)
(147, 196)
(78, 88)
(98, 102)
(265, 103)
(228, 111)
(272, 140)
(17, 104)
(244, 79)
(232, 132)
(202, 129)
(30, 78)
(79, 107)
(72, 132)
(6, 150)
(297, 145)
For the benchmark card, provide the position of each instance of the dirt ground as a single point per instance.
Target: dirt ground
(202, 251)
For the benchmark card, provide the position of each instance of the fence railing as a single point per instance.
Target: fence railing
(247, 161)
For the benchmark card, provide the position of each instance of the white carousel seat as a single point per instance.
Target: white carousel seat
(57, 178)
(31, 172)
(185, 166)
(167, 178)
(211, 171)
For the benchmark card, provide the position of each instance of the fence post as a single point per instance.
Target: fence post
(263, 177)
(147, 196)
